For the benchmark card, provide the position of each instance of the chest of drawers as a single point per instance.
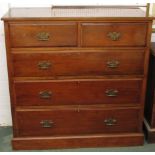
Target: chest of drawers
(150, 99)
(77, 76)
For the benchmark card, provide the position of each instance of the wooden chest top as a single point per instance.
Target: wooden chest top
(77, 13)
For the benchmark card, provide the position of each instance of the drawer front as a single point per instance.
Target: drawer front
(113, 34)
(46, 34)
(78, 92)
(79, 63)
(76, 121)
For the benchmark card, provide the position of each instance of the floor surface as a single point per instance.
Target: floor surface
(6, 135)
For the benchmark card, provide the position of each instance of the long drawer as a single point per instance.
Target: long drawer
(43, 34)
(78, 62)
(113, 34)
(70, 121)
(78, 92)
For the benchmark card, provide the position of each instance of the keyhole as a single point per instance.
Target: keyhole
(78, 109)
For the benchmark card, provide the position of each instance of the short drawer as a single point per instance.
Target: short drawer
(43, 34)
(78, 63)
(113, 34)
(78, 92)
(70, 121)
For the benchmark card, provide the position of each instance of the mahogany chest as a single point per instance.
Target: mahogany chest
(150, 99)
(77, 76)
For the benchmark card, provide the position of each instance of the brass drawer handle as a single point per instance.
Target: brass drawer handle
(111, 92)
(45, 94)
(113, 64)
(114, 36)
(43, 36)
(46, 123)
(110, 122)
(43, 65)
